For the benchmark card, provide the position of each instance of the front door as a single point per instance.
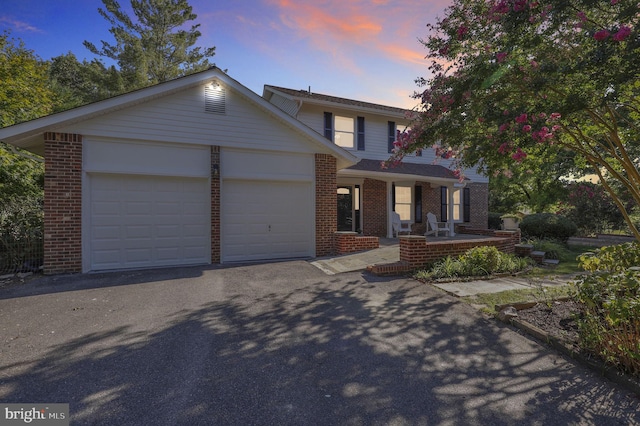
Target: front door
(345, 208)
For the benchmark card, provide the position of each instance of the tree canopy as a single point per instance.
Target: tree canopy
(512, 76)
(154, 46)
(24, 88)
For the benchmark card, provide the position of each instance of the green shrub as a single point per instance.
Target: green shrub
(478, 261)
(610, 296)
(495, 220)
(553, 249)
(548, 226)
(21, 235)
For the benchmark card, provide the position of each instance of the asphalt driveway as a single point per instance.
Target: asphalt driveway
(283, 344)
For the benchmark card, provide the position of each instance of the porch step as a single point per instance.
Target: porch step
(538, 256)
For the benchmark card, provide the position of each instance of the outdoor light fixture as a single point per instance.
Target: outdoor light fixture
(215, 170)
(215, 85)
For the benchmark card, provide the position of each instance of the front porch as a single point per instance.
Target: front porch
(395, 256)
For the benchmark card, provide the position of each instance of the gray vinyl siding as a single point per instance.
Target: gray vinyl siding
(181, 118)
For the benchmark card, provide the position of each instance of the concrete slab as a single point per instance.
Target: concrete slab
(497, 285)
(358, 261)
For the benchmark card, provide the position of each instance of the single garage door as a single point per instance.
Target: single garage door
(266, 220)
(148, 221)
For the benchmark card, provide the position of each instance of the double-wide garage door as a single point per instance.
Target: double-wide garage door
(149, 205)
(148, 221)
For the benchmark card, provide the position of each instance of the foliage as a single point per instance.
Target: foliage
(21, 175)
(610, 295)
(495, 220)
(591, 208)
(24, 90)
(553, 249)
(21, 234)
(616, 258)
(152, 47)
(478, 261)
(515, 80)
(78, 83)
(548, 226)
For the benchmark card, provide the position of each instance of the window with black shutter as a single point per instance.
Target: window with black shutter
(443, 203)
(391, 125)
(466, 204)
(418, 205)
(328, 126)
(360, 132)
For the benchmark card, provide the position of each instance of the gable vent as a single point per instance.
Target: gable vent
(214, 99)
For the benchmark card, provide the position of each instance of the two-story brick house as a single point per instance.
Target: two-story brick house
(366, 191)
(202, 170)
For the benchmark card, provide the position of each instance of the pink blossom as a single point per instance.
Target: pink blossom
(533, 64)
(521, 118)
(622, 33)
(582, 17)
(526, 128)
(555, 115)
(614, 2)
(556, 128)
(481, 119)
(519, 5)
(519, 155)
(504, 127)
(501, 56)
(542, 115)
(505, 148)
(505, 112)
(601, 35)
(462, 31)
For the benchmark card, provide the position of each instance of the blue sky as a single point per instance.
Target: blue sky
(361, 49)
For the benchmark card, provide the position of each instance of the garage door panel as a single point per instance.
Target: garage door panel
(266, 220)
(145, 221)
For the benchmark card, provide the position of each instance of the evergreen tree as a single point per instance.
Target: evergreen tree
(154, 46)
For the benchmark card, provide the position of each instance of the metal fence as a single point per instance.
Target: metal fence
(21, 236)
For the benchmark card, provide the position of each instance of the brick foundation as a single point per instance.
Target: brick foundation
(417, 252)
(62, 203)
(326, 204)
(352, 242)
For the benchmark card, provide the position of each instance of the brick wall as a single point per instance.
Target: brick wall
(62, 203)
(374, 208)
(351, 242)
(416, 251)
(215, 204)
(326, 204)
(479, 205)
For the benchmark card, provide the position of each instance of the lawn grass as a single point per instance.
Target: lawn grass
(534, 294)
(568, 263)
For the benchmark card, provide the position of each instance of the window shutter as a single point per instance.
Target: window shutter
(393, 197)
(466, 203)
(328, 126)
(418, 206)
(360, 133)
(391, 125)
(443, 204)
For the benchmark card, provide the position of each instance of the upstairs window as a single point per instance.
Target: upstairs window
(391, 135)
(344, 134)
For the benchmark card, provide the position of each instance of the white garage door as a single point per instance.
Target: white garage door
(266, 220)
(148, 221)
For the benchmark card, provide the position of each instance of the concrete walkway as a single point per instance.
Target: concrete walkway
(391, 253)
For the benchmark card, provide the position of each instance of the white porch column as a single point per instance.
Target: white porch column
(389, 209)
(450, 206)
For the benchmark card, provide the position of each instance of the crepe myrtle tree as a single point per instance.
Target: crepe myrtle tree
(512, 78)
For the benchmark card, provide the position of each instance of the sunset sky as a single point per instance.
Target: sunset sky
(362, 49)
